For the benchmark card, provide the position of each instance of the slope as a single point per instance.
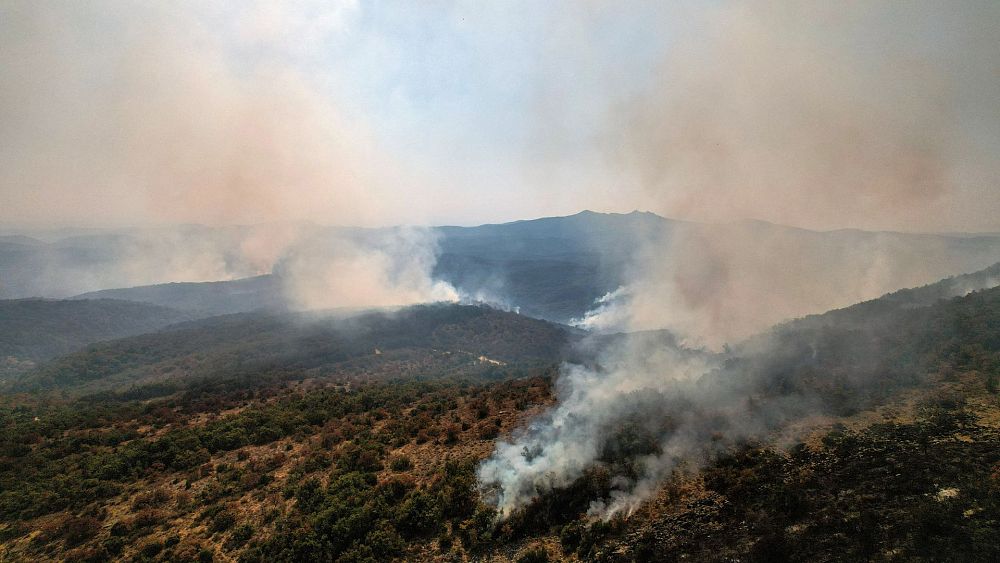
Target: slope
(204, 298)
(34, 330)
(348, 467)
(255, 346)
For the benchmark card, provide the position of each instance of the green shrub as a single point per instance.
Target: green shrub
(222, 521)
(400, 463)
(114, 545)
(240, 535)
(151, 549)
(420, 514)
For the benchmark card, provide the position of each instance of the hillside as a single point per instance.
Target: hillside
(34, 330)
(552, 268)
(252, 348)
(910, 298)
(204, 298)
(328, 453)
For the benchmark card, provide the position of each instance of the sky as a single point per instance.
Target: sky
(875, 115)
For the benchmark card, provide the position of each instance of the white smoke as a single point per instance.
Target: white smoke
(555, 449)
(610, 312)
(383, 268)
(812, 114)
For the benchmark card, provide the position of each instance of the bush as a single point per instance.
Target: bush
(145, 519)
(419, 515)
(120, 529)
(222, 521)
(114, 545)
(400, 463)
(240, 536)
(151, 549)
(570, 536)
(87, 555)
(385, 543)
(534, 555)
(79, 530)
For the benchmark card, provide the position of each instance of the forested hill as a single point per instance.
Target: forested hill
(552, 268)
(266, 437)
(882, 308)
(255, 346)
(32, 330)
(205, 298)
(850, 359)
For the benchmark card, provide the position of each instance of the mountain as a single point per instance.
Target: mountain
(62, 263)
(552, 268)
(849, 359)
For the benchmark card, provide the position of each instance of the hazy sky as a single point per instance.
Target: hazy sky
(871, 114)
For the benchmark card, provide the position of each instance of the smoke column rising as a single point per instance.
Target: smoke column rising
(864, 114)
(133, 113)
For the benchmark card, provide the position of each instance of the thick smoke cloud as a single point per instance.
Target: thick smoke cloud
(314, 267)
(638, 377)
(876, 115)
(139, 114)
(131, 113)
(713, 284)
(869, 115)
(385, 268)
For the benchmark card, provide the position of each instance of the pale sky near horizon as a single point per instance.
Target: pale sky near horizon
(870, 115)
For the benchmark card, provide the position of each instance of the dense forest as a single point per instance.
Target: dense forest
(34, 330)
(277, 437)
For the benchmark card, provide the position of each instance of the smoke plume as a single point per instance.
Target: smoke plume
(858, 114)
(136, 112)
(869, 115)
(383, 268)
(139, 114)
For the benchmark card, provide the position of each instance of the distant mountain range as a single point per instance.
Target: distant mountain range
(204, 298)
(552, 268)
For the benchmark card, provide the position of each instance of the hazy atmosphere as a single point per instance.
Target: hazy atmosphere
(340, 280)
(874, 115)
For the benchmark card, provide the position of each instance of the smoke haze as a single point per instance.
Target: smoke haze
(385, 269)
(859, 114)
(868, 115)
(743, 113)
(130, 113)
